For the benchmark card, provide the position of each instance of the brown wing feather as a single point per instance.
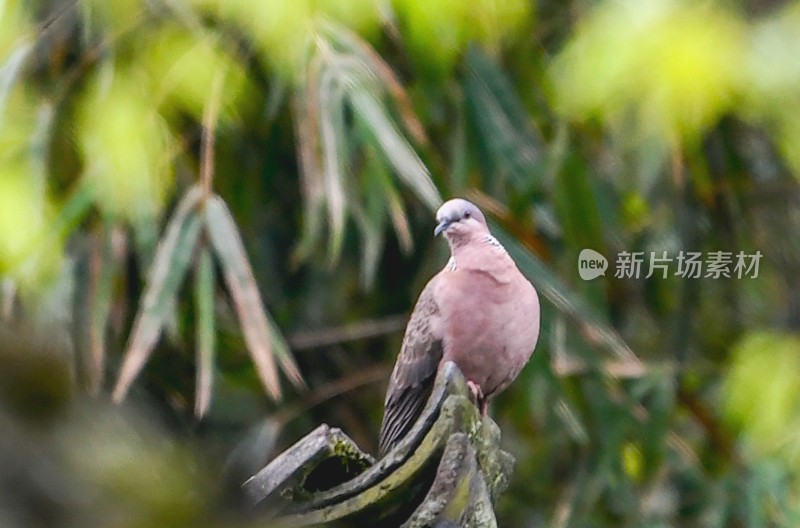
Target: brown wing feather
(414, 373)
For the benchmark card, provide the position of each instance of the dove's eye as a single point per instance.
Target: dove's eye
(467, 214)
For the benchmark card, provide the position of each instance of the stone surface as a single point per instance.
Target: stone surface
(447, 471)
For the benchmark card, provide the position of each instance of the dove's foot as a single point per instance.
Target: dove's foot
(477, 395)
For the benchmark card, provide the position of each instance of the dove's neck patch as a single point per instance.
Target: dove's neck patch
(492, 241)
(487, 239)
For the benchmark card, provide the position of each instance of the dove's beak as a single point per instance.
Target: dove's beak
(443, 225)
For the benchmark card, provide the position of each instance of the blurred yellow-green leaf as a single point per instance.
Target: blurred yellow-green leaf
(439, 30)
(284, 30)
(436, 30)
(29, 251)
(14, 28)
(125, 145)
(674, 66)
(762, 393)
(775, 75)
(182, 68)
(772, 59)
(105, 17)
(632, 461)
(23, 218)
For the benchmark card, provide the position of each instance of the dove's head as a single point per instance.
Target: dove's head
(458, 219)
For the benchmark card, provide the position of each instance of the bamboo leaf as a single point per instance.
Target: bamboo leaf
(145, 237)
(502, 120)
(370, 216)
(371, 60)
(166, 274)
(380, 195)
(332, 131)
(575, 201)
(564, 299)
(571, 419)
(102, 269)
(577, 208)
(205, 330)
(459, 149)
(66, 219)
(9, 72)
(397, 213)
(230, 251)
(285, 358)
(73, 209)
(312, 179)
(395, 148)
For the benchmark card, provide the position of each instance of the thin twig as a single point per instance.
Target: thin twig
(8, 294)
(615, 369)
(359, 378)
(210, 115)
(306, 339)
(48, 24)
(678, 176)
(717, 435)
(95, 363)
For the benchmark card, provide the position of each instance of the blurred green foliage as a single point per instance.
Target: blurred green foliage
(198, 194)
(676, 63)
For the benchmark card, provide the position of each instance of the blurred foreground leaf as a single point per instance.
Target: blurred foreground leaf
(128, 183)
(166, 275)
(229, 250)
(762, 393)
(204, 307)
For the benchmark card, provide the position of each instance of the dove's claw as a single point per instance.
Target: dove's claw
(477, 395)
